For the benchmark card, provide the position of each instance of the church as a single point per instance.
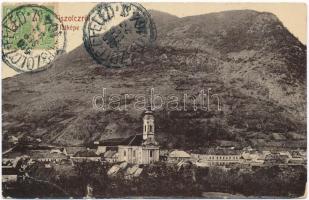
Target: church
(141, 148)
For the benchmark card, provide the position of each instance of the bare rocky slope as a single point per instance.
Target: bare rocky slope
(248, 58)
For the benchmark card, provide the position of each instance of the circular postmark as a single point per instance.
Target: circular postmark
(32, 37)
(114, 31)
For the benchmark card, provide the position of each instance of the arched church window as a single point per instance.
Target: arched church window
(150, 152)
(124, 153)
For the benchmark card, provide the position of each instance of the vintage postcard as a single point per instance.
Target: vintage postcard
(154, 100)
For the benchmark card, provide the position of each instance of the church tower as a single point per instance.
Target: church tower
(148, 126)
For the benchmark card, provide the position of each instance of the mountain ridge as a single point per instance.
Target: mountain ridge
(249, 66)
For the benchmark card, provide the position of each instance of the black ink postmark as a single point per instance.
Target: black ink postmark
(32, 38)
(113, 31)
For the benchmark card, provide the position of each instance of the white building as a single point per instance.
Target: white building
(111, 156)
(218, 156)
(178, 155)
(141, 148)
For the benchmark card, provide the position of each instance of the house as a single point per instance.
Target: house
(178, 155)
(276, 158)
(278, 136)
(133, 171)
(86, 155)
(7, 161)
(141, 148)
(60, 150)
(296, 154)
(46, 156)
(9, 174)
(72, 150)
(13, 139)
(248, 149)
(219, 156)
(101, 150)
(163, 154)
(226, 144)
(297, 158)
(299, 161)
(299, 154)
(42, 155)
(111, 156)
(254, 158)
(288, 154)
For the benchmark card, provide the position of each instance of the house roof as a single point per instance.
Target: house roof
(131, 170)
(138, 172)
(278, 136)
(86, 153)
(113, 170)
(109, 154)
(226, 143)
(35, 154)
(123, 165)
(74, 149)
(179, 154)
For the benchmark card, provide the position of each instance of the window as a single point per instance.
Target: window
(150, 152)
(145, 128)
(134, 153)
(150, 128)
(124, 153)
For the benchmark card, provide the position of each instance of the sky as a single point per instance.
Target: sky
(292, 15)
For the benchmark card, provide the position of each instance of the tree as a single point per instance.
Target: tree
(93, 174)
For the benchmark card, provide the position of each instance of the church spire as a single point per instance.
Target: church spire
(148, 124)
(148, 121)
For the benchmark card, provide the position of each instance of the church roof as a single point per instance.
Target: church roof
(112, 142)
(134, 140)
